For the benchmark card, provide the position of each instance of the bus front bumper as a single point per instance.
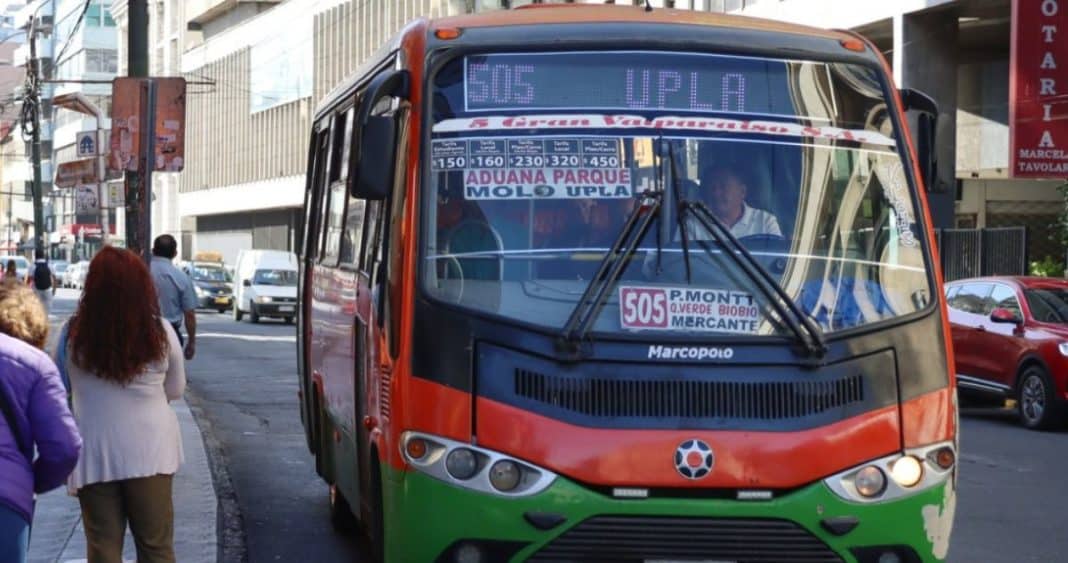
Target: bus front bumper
(429, 520)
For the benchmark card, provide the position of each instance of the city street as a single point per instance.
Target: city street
(243, 388)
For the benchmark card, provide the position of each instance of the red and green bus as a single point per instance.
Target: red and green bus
(600, 283)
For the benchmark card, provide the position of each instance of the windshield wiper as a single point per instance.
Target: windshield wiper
(799, 323)
(676, 190)
(810, 335)
(611, 267)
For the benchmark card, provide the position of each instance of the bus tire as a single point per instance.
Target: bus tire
(373, 524)
(1036, 401)
(341, 516)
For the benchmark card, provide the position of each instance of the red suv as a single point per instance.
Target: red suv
(1010, 339)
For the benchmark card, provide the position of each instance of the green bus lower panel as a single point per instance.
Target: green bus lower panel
(429, 520)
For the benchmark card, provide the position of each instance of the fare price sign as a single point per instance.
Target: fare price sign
(1038, 89)
(509, 168)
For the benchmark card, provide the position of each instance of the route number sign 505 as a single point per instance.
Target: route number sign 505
(643, 307)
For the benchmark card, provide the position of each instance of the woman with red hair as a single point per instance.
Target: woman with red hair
(125, 364)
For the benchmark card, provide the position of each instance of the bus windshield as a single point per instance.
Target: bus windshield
(538, 160)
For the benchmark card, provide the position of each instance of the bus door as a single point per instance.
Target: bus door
(333, 310)
(313, 200)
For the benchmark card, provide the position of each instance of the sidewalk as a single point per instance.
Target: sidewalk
(57, 534)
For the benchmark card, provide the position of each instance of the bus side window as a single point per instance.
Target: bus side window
(371, 238)
(335, 214)
(313, 198)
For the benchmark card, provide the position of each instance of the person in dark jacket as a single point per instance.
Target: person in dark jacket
(35, 416)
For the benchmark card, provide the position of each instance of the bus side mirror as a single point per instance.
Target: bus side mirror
(926, 110)
(375, 136)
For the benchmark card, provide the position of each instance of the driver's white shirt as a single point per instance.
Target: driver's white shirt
(752, 222)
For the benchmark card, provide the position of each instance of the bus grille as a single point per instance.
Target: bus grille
(623, 539)
(775, 400)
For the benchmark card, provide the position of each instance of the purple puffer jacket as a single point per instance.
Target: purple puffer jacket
(31, 383)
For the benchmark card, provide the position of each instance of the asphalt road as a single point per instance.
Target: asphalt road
(1011, 499)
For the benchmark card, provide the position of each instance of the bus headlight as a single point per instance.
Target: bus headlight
(470, 467)
(461, 463)
(504, 475)
(911, 471)
(264, 299)
(907, 471)
(870, 481)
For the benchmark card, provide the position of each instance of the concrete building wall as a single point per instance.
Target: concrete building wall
(247, 136)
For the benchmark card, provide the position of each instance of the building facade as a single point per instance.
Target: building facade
(957, 51)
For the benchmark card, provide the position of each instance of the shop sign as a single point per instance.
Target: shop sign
(1038, 89)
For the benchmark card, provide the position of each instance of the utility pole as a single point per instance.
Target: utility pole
(138, 202)
(33, 98)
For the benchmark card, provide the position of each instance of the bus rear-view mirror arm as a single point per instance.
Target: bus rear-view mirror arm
(374, 137)
(924, 134)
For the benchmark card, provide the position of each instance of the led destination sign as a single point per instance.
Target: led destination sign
(628, 81)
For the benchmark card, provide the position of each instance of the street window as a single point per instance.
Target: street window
(92, 15)
(101, 60)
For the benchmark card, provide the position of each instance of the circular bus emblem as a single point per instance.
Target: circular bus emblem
(694, 459)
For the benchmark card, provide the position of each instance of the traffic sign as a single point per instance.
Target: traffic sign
(86, 143)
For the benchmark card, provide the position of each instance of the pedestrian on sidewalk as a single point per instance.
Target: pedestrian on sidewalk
(43, 281)
(35, 416)
(11, 274)
(125, 365)
(177, 295)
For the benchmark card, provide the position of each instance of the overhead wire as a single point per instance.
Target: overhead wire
(70, 36)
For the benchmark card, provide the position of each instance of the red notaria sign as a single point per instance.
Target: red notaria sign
(1038, 89)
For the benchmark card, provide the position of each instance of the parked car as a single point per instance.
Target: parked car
(213, 285)
(68, 276)
(58, 269)
(1010, 339)
(22, 265)
(75, 277)
(265, 285)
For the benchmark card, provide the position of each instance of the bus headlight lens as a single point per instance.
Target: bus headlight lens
(907, 471)
(461, 463)
(263, 299)
(870, 481)
(504, 475)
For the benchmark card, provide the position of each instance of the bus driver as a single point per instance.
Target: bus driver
(724, 190)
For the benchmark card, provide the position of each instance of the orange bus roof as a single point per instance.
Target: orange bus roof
(606, 13)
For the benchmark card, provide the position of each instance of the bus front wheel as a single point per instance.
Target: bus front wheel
(373, 523)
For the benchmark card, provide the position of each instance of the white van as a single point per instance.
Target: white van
(265, 285)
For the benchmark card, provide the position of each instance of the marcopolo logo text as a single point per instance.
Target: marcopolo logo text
(690, 353)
